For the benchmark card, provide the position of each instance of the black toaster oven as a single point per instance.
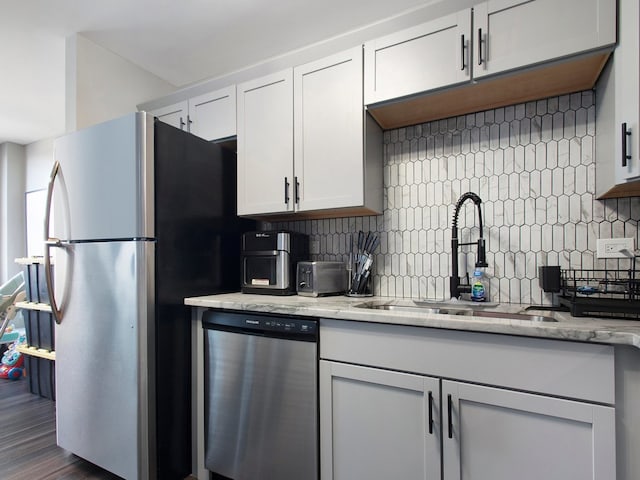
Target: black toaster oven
(269, 261)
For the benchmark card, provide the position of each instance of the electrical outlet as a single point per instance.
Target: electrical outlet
(612, 247)
(314, 247)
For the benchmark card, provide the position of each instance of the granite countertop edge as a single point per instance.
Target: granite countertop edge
(583, 329)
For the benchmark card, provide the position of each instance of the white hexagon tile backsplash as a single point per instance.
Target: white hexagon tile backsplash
(532, 165)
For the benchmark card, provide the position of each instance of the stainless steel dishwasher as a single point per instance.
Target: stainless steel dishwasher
(261, 389)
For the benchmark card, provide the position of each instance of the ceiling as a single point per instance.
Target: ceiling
(181, 42)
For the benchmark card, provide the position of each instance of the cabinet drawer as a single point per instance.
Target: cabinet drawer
(554, 367)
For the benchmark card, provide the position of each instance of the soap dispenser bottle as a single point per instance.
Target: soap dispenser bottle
(479, 287)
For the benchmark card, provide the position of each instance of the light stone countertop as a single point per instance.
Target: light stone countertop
(584, 329)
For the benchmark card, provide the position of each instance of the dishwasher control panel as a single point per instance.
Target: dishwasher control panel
(260, 324)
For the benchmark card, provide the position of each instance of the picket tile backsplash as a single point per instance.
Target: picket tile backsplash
(533, 166)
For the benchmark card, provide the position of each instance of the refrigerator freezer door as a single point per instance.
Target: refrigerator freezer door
(105, 186)
(105, 374)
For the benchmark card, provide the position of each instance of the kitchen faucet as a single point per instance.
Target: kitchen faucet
(456, 287)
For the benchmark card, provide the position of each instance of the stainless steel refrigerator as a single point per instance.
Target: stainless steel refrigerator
(144, 215)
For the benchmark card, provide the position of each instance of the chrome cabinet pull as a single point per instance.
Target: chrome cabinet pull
(462, 51)
(480, 60)
(51, 242)
(625, 155)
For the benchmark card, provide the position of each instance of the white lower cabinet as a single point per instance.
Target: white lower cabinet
(417, 403)
(383, 424)
(498, 434)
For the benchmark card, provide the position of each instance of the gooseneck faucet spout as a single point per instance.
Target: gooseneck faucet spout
(456, 286)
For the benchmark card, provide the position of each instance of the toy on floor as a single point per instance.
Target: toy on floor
(12, 363)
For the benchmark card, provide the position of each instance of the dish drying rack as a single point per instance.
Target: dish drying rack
(601, 293)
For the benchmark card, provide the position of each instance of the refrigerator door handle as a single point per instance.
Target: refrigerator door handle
(51, 242)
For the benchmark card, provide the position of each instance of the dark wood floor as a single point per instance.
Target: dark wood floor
(28, 449)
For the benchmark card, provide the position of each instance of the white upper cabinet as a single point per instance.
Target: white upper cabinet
(328, 126)
(331, 164)
(510, 34)
(265, 144)
(627, 66)
(175, 115)
(500, 52)
(618, 112)
(212, 116)
(429, 56)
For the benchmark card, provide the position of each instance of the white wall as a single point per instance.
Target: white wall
(12, 202)
(101, 85)
(39, 160)
(38, 163)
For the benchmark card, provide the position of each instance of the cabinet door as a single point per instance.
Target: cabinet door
(627, 71)
(329, 116)
(175, 115)
(432, 55)
(265, 144)
(213, 115)
(514, 33)
(378, 424)
(495, 434)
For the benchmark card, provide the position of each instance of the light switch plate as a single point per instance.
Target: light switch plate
(614, 247)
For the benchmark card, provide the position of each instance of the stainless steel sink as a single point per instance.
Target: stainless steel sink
(448, 309)
(513, 316)
(414, 308)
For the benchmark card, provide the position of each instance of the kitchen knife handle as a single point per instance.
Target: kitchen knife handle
(374, 244)
(462, 51)
(286, 191)
(625, 155)
(51, 242)
(449, 413)
(480, 60)
(430, 413)
(367, 242)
